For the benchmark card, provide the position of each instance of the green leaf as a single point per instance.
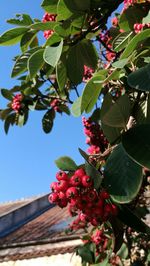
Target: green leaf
(118, 233)
(129, 218)
(85, 253)
(65, 163)
(142, 114)
(118, 113)
(50, 6)
(47, 121)
(10, 120)
(26, 40)
(91, 170)
(123, 251)
(140, 79)
(54, 38)
(62, 11)
(61, 75)
(7, 94)
(35, 63)
(21, 62)
(122, 40)
(4, 113)
(134, 42)
(77, 5)
(75, 64)
(50, 25)
(112, 134)
(76, 107)
(136, 142)
(89, 53)
(21, 20)
(122, 176)
(12, 36)
(52, 54)
(120, 63)
(64, 109)
(91, 92)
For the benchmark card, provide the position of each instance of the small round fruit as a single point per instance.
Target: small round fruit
(87, 181)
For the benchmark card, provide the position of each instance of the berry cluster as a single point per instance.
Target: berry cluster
(106, 38)
(77, 191)
(87, 73)
(55, 104)
(100, 240)
(48, 17)
(139, 26)
(16, 102)
(95, 137)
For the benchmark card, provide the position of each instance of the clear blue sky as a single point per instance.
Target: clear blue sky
(27, 154)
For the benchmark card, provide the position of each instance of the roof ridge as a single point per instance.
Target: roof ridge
(23, 199)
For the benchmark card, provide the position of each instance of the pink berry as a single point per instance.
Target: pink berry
(87, 181)
(75, 180)
(53, 186)
(79, 172)
(72, 192)
(63, 203)
(62, 185)
(61, 175)
(53, 197)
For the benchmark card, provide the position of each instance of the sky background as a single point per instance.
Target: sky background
(27, 154)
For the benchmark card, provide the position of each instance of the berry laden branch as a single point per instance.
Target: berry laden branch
(97, 25)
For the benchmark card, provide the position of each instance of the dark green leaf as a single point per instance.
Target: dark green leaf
(89, 53)
(131, 16)
(4, 113)
(75, 64)
(62, 11)
(52, 54)
(10, 120)
(113, 134)
(140, 79)
(121, 63)
(77, 5)
(85, 254)
(123, 251)
(129, 218)
(47, 121)
(7, 94)
(26, 40)
(118, 113)
(64, 109)
(55, 38)
(35, 63)
(136, 142)
(12, 36)
(122, 176)
(65, 163)
(118, 233)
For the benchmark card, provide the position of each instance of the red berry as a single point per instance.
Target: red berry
(94, 222)
(83, 217)
(53, 197)
(80, 172)
(53, 186)
(62, 195)
(114, 210)
(75, 180)
(87, 181)
(71, 192)
(62, 185)
(63, 203)
(62, 176)
(104, 194)
(92, 195)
